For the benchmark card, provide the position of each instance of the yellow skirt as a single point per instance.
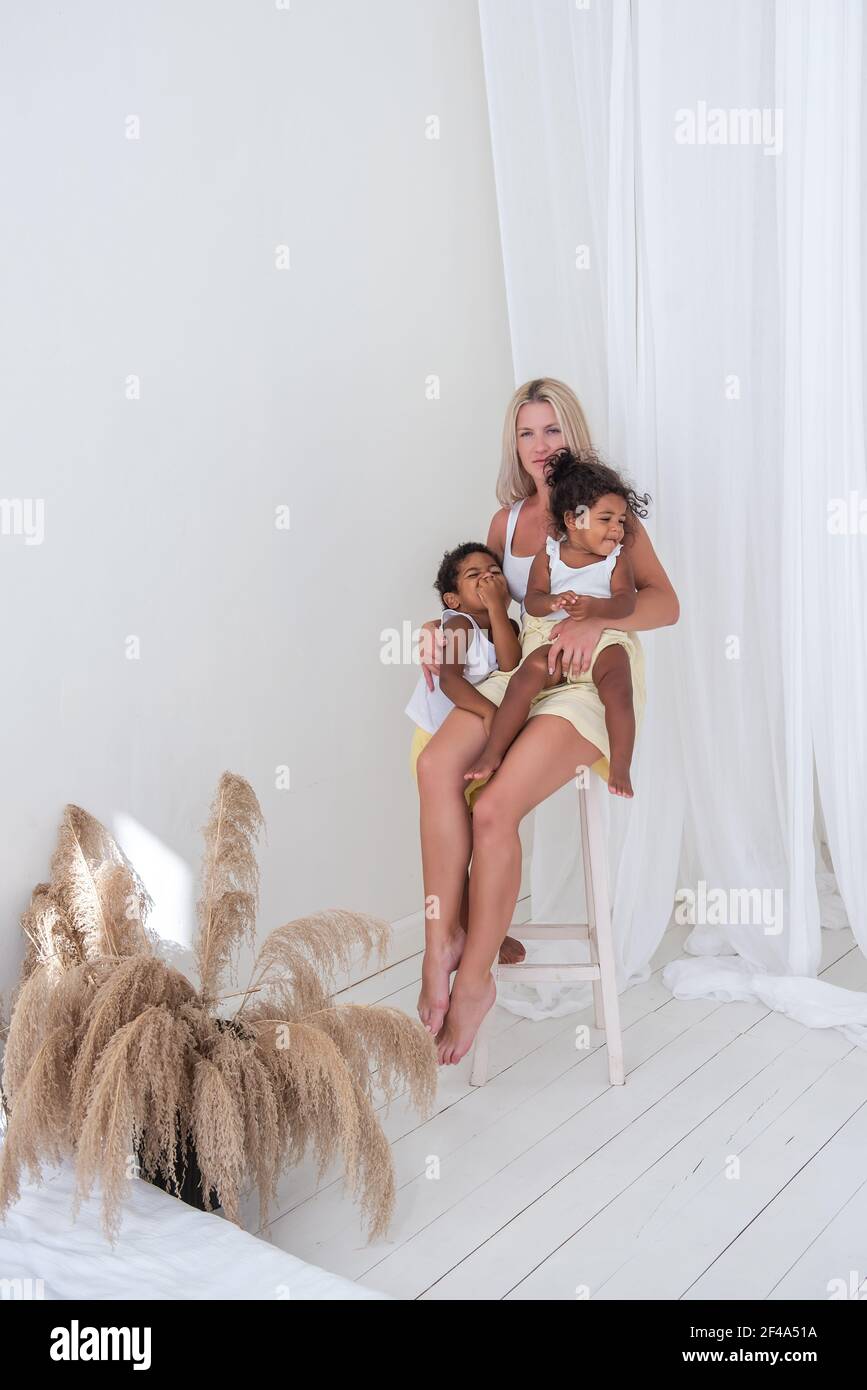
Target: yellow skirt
(577, 698)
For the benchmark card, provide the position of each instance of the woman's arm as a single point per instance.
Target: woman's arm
(497, 532)
(656, 605)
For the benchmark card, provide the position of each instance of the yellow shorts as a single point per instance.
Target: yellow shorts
(420, 739)
(577, 698)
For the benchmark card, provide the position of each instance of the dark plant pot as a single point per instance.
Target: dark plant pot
(190, 1189)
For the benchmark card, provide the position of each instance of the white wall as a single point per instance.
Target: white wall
(156, 257)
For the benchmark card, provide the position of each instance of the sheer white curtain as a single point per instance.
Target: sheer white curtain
(680, 190)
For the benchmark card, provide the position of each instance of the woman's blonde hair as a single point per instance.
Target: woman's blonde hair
(514, 482)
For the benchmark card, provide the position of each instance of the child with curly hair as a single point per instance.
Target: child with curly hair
(479, 637)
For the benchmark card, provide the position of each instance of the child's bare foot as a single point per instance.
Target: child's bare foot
(441, 958)
(618, 779)
(485, 766)
(512, 952)
(467, 1008)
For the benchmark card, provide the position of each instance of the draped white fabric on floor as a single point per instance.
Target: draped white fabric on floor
(680, 194)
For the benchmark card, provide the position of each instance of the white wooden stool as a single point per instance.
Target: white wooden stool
(596, 930)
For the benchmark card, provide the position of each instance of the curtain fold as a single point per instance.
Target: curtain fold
(680, 195)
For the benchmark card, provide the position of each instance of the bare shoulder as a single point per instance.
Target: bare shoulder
(623, 560)
(635, 533)
(646, 566)
(637, 544)
(541, 564)
(497, 531)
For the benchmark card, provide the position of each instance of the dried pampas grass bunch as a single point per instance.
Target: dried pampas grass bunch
(117, 1060)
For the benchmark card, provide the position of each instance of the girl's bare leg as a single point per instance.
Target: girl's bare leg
(546, 754)
(531, 677)
(612, 676)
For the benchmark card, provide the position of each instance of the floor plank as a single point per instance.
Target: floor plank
(549, 1183)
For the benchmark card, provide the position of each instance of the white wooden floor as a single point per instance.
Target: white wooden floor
(732, 1164)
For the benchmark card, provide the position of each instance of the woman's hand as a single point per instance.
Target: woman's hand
(430, 648)
(575, 641)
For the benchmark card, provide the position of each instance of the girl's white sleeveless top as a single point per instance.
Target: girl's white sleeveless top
(592, 580)
(516, 568)
(428, 708)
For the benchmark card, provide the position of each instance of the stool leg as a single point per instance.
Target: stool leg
(591, 906)
(607, 982)
(598, 1004)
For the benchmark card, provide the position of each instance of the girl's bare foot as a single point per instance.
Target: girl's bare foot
(618, 779)
(485, 766)
(441, 958)
(467, 1008)
(512, 952)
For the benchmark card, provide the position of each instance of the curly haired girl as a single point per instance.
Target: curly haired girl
(584, 573)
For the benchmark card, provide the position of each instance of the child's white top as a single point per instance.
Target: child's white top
(592, 580)
(429, 708)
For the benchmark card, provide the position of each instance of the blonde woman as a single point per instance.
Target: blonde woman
(565, 731)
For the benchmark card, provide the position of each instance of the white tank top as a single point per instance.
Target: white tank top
(429, 708)
(516, 568)
(592, 580)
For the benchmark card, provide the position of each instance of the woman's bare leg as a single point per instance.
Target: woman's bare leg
(446, 846)
(546, 754)
(512, 951)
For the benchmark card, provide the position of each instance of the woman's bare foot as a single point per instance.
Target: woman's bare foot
(485, 765)
(618, 779)
(512, 952)
(467, 1008)
(441, 958)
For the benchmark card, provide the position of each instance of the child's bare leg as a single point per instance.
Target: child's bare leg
(612, 677)
(531, 677)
